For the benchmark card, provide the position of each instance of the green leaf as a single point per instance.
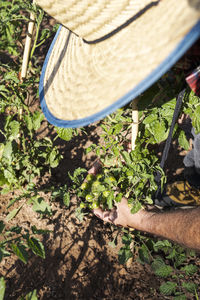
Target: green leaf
(36, 246)
(13, 213)
(65, 134)
(164, 245)
(168, 288)
(53, 159)
(168, 107)
(66, 198)
(183, 142)
(40, 206)
(90, 148)
(35, 230)
(172, 253)
(159, 131)
(112, 244)
(2, 226)
(1, 150)
(190, 269)
(44, 34)
(3, 253)
(110, 200)
(7, 152)
(191, 252)
(160, 268)
(144, 256)
(149, 200)
(149, 119)
(79, 171)
(3, 180)
(11, 76)
(20, 251)
(127, 239)
(116, 151)
(32, 295)
(28, 121)
(124, 254)
(2, 288)
(118, 128)
(37, 118)
(180, 297)
(127, 158)
(79, 214)
(136, 207)
(189, 286)
(10, 175)
(193, 99)
(3, 88)
(180, 259)
(14, 129)
(196, 119)
(16, 229)
(109, 160)
(118, 198)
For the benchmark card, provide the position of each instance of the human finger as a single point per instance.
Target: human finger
(98, 212)
(105, 215)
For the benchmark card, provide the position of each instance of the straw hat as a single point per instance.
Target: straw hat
(107, 52)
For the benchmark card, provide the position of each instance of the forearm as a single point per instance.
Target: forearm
(181, 226)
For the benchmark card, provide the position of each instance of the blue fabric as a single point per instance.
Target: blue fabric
(174, 56)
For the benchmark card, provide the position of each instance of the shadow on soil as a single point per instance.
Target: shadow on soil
(77, 265)
(73, 152)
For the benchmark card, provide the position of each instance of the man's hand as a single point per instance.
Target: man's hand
(121, 215)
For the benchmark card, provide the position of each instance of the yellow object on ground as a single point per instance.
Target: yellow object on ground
(181, 192)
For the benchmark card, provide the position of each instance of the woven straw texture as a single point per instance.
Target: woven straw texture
(92, 19)
(83, 79)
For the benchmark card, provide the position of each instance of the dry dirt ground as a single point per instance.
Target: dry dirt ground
(79, 263)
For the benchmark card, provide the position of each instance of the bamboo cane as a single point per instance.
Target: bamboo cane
(134, 133)
(27, 47)
(135, 119)
(25, 60)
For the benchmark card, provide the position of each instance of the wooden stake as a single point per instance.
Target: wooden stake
(135, 119)
(27, 47)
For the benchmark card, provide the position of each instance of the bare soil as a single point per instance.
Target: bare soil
(79, 262)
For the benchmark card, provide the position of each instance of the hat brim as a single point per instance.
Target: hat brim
(50, 106)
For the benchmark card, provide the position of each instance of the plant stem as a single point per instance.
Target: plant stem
(37, 33)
